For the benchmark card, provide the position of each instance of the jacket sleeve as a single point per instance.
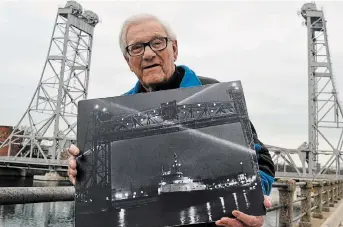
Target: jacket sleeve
(265, 163)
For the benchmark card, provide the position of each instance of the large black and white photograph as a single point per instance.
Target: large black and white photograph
(167, 158)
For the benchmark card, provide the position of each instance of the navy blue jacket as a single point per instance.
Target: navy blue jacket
(266, 165)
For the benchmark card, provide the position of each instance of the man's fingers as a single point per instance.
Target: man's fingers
(248, 219)
(72, 172)
(73, 150)
(243, 219)
(267, 202)
(229, 222)
(72, 163)
(72, 179)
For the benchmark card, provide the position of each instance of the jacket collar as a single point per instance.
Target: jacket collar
(190, 79)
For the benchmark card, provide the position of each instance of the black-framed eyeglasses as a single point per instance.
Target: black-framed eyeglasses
(156, 44)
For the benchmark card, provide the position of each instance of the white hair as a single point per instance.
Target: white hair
(138, 19)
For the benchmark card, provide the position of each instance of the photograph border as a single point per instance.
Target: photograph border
(93, 184)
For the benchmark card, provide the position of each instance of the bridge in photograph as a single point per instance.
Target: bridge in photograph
(167, 118)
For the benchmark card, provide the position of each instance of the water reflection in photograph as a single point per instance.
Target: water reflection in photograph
(174, 215)
(190, 215)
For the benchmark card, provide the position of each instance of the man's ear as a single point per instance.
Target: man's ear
(175, 49)
(128, 62)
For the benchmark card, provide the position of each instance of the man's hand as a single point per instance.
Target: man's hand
(243, 220)
(74, 152)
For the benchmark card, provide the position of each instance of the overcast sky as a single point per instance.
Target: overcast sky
(263, 44)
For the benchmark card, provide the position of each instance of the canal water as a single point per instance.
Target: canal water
(61, 214)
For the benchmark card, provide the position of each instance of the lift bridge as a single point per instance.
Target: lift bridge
(48, 126)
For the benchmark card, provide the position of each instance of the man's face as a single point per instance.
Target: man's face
(163, 60)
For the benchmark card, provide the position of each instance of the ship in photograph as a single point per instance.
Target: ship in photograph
(173, 181)
(177, 190)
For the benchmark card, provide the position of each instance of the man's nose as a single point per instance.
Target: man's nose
(148, 53)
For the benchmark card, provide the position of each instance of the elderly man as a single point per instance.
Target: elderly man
(150, 49)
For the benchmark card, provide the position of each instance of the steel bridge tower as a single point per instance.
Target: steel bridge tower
(48, 126)
(324, 109)
(325, 131)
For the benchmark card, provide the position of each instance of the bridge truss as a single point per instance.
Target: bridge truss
(48, 126)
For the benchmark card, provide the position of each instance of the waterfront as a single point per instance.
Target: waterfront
(61, 214)
(56, 214)
(53, 214)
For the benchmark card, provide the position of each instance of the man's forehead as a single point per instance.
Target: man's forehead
(144, 32)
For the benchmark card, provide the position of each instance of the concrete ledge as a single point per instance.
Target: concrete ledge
(336, 218)
(21, 195)
(52, 176)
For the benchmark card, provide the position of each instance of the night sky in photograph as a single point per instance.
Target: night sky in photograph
(139, 161)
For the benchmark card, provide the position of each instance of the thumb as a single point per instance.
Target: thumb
(267, 202)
